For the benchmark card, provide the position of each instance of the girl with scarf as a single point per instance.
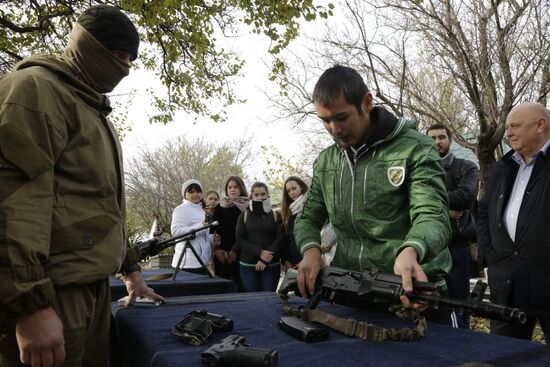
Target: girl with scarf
(259, 237)
(293, 194)
(226, 256)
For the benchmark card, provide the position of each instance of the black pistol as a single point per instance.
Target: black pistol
(306, 331)
(233, 351)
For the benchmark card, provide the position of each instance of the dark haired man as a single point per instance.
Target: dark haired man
(514, 215)
(381, 185)
(462, 185)
(62, 209)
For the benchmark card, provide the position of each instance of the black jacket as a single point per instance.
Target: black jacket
(462, 184)
(227, 218)
(259, 232)
(289, 249)
(519, 271)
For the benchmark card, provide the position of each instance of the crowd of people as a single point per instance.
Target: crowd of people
(383, 196)
(251, 239)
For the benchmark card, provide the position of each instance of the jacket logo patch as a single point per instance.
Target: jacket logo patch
(396, 175)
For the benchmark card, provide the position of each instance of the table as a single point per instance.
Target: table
(185, 284)
(148, 341)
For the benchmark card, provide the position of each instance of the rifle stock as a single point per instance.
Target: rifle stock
(334, 284)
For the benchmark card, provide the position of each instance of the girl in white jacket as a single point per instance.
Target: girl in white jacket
(188, 216)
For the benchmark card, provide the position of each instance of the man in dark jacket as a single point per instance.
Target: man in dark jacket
(462, 185)
(513, 221)
(62, 208)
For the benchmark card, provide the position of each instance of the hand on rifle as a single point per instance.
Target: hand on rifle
(406, 265)
(309, 268)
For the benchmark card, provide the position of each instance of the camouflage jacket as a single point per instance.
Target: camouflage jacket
(61, 185)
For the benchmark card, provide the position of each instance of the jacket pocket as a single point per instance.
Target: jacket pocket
(80, 235)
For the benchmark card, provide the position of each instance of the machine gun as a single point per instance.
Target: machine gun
(337, 285)
(232, 351)
(154, 246)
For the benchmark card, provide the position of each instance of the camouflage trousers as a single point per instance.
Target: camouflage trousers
(85, 311)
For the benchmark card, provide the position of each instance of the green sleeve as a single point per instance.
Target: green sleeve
(430, 230)
(312, 217)
(29, 147)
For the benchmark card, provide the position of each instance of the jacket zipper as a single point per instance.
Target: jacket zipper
(400, 124)
(352, 171)
(341, 177)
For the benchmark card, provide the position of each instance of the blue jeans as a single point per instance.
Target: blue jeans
(255, 281)
(458, 280)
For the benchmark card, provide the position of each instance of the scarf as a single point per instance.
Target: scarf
(92, 62)
(240, 202)
(260, 206)
(296, 205)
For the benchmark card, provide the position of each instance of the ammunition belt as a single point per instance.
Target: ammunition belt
(361, 329)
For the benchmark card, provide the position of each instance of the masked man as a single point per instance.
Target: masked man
(62, 209)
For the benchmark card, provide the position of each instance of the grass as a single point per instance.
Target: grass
(482, 325)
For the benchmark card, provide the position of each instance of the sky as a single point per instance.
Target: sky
(244, 120)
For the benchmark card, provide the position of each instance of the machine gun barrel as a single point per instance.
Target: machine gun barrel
(154, 246)
(335, 284)
(474, 304)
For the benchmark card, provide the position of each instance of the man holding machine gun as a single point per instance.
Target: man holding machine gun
(62, 209)
(381, 185)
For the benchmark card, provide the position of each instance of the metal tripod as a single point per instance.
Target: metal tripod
(184, 250)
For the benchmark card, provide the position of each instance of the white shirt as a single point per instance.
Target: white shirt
(518, 191)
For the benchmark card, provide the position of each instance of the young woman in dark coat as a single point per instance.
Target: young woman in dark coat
(259, 237)
(226, 213)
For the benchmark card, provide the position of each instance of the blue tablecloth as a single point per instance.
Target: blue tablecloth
(185, 284)
(147, 340)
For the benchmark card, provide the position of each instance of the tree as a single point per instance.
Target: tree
(154, 177)
(181, 41)
(278, 167)
(464, 63)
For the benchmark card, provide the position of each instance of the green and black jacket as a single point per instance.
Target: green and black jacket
(387, 196)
